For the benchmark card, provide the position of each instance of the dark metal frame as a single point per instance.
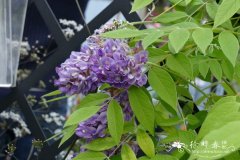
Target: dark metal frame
(60, 54)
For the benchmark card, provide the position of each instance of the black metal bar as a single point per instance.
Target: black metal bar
(51, 21)
(63, 51)
(54, 149)
(8, 100)
(29, 116)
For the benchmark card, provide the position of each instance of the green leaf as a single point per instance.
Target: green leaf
(123, 33)
(178, 38)
(230, 50)
(203, 69)
(104, 86)
(127, 153)
(142, 107)
(181, 65)
(164, 157)
(144, 158)
(90, 156)
(145, 143)
(212, 8)
(67, 133)
(44, 101)
(188, 1)
(53, 93)
(170, 17)
(129, 127)
(156, 55)
(167, 122)
(225, 11)
(138, 4)
(151, 37)
(81, 114)
(203, 38)
(115, 120)
(192, 120)
(225, 133)
(216, 69)
(232, 156)
(164, 85)
(186, 137)
(228, 69)
(101, 144)
(93, 100)
(223, 111)
(185, 25)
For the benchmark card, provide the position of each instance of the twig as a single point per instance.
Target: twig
(230, 86)
(82, 15)
(70, 148)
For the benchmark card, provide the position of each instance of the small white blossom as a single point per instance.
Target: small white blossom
(17, 132)
(177, 145)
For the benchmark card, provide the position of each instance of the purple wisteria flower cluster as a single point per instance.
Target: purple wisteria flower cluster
(99, 61)
(95, 127)
(103, 60)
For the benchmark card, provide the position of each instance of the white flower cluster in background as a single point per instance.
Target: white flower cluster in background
(54, 117)
(70, 27)
(63, 153)
(24, 49)
(21, 129)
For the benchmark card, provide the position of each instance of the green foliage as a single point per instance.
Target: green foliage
(224, 133)
(152, 37)
(145, 143)
(163, 84)
(138, 4)
(85, 112)
(178, 38)
(53, 93)
(225, 11)
(180, 64)
(67, 133)
(216, 69)
(115, 120)
(127, 153)
(100, 144)
(203, 38)
(197, 39)
(170, 17)
(142, 107)
(93, 100)
(90, 156)
(124, 33)
(229, 45)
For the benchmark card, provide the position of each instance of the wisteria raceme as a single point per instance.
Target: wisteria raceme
(102, 60)
(95, 127)
(75, 76)
(116, 64)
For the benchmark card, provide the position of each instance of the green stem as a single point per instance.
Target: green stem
(182, 115)
(230, 86)
(212, 85)
(170, 8)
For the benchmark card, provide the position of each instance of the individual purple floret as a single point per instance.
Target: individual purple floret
(75, 76)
